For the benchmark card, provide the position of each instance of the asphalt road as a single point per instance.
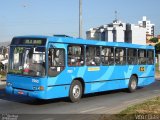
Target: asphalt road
(90, 106)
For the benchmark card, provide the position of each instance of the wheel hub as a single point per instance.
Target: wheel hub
(76, 91)
(134, 84)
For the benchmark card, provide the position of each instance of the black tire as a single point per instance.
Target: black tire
(132, 86)
(75, 92)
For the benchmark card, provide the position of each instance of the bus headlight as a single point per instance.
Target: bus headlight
(41, 88)
(9, 84)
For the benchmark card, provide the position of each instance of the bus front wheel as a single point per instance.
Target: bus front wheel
(75, 92)
(132, 84)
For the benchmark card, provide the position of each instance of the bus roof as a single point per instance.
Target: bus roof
(96, 42)
(71, 40)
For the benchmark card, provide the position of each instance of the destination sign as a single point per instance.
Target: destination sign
(29, 41)
(34, 42)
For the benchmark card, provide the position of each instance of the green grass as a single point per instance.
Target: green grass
(149, 107)
(2, 76)
(157, 71)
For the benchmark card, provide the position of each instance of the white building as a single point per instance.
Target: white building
(93, 34)
(135, 34)
(147, 24)
(114, 32)
(118, 32)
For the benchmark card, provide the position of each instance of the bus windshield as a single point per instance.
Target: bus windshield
(28, 61)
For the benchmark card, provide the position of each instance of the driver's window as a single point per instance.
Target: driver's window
(56, 61)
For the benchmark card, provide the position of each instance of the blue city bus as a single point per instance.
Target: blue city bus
(48, 67)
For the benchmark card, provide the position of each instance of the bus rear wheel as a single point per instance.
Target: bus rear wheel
(75, 92)
(132, 84)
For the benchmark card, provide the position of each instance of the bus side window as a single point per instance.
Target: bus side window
(75, 55)
(56, 61)
(132, 56)
(150, 57)
(93, 56)
(120, 56)
(107, 56)
(141, 57)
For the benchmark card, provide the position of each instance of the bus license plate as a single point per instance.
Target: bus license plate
(20, 92)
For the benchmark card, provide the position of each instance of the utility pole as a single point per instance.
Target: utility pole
(80, 18)
(116, 15)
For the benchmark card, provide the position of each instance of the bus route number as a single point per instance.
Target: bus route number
(35, 81)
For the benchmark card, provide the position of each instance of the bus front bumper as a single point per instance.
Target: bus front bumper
(34, 94)
(49, 93)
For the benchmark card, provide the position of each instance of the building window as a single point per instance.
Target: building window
(93, 56)
(150, 57)
(132, 56)
(144, 23)
(75, 55)
(120, 56)
(141, 57)
(107, 56)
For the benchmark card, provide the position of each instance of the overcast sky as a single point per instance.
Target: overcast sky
(48, 17)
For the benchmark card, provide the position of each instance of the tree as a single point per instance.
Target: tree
(4, 51)
(157, 48)
(154, 40)
(1, 66)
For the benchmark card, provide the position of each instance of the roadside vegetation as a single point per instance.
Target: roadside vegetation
(151, 106)
(2, 71)
(157, 70)
(149, 109)
(2, 74)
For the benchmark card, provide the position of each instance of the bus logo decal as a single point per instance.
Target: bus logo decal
(142, 69)
(93, 68)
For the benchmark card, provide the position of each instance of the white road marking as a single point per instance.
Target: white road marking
(131, 101)
(113, 110)
(156, 91)
(93, 109)
(122, 106)
(49, 119)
